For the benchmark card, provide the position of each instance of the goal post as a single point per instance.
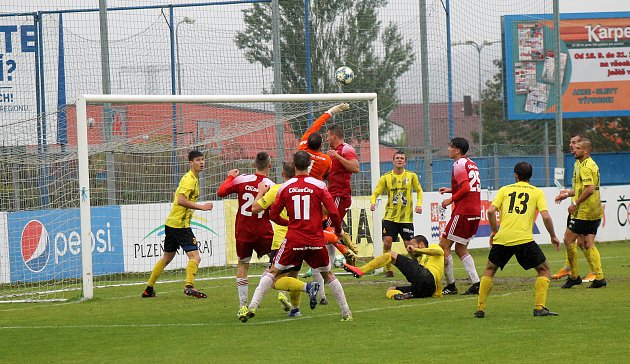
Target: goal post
(365, 102)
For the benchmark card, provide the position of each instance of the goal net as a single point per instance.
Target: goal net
(91, 213)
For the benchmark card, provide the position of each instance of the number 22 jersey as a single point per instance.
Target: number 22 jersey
(465, 171)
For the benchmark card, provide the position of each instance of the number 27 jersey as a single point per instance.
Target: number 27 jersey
(465, 171)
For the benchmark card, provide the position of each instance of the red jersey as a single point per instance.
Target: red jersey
(339, 178)
(303, 197)
(249, 227)
(320, 162)
(466, 175)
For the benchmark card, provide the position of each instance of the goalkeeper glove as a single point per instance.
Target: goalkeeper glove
(338, 108)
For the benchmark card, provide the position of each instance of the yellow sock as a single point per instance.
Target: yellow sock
(290, 284)
(540, 292)
(595, 261)
(484, 291)
(567, 265)
(294, 297)
(572, 257)
(158, 268)
(388, 266)
(191, 272)
(381, 260)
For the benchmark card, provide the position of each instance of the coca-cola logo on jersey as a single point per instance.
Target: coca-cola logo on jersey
(251, 188)
(298, 190)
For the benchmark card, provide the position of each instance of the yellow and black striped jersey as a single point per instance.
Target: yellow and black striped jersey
(399, 189)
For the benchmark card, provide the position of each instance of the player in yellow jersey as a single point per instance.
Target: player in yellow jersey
(566, 270)
(518, 204)
(586, 214)
(424, 276)
(399, 185)
(177, 228)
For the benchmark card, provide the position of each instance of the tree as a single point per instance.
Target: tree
(606, 134)
(342, 32)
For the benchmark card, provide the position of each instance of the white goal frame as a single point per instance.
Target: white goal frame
(83, 151)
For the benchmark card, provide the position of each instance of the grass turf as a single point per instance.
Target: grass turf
(119, 326)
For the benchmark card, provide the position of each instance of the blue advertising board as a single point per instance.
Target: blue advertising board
(46, 244)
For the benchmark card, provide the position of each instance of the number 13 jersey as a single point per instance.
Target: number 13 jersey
(465, 172)
(518, 204)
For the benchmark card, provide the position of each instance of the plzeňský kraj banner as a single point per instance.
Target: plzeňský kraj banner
(594, 65)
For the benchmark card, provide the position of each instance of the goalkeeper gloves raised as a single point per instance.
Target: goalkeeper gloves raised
(338, 108)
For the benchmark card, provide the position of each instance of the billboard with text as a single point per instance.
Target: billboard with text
(594, 65)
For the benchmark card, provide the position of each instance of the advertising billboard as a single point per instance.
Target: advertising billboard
(46, 244)
(594, 65)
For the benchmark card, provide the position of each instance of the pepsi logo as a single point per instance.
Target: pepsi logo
(35, 246)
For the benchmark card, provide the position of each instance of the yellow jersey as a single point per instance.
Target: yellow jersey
(279, 231)
(399, 188)
(433, 260)
(180, 216)
(588, 175)
(518, 204)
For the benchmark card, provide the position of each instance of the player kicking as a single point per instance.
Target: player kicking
(303, 197)
(465, 216)
(424, 277)
(253, 231)
(519, 204)
(177, 228)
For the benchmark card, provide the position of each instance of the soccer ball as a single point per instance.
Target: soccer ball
(339, 260)
(344, 75)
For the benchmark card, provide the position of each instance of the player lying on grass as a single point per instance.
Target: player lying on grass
(424, 276)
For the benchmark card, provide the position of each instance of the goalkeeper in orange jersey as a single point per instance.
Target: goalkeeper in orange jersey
(424, 276)
(321, 165)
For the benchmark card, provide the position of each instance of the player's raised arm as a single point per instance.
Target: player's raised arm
(226, 187)
(317, 124)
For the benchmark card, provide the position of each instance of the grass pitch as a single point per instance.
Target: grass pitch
(119, 326)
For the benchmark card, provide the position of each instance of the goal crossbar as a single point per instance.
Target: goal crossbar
(83, 150)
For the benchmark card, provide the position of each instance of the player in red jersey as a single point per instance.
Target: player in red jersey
(253, 231)
(344, 164)
(320, 167)
(303, 197)
(465, 216)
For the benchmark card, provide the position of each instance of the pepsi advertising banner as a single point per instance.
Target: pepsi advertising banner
(46, 245)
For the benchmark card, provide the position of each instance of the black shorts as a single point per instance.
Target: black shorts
(393, 229)
(583, 227)
(176, 237)
(421, 279)
(528, 255)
